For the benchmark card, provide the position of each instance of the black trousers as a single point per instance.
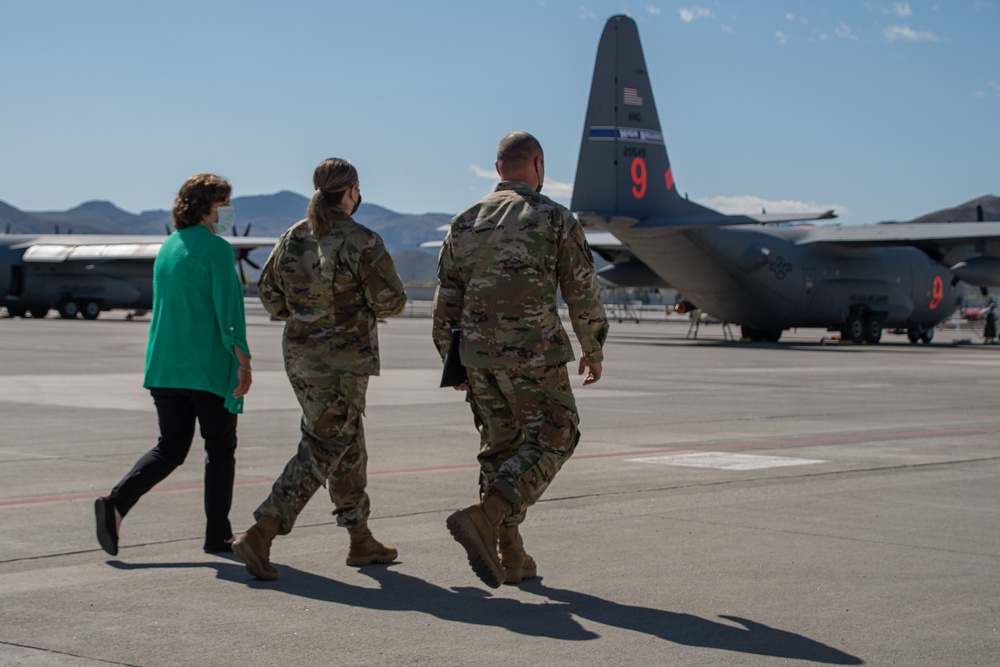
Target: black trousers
(177, 410)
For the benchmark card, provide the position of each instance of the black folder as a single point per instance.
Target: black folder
(454, 372)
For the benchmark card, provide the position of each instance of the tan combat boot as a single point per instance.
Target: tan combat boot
(365, 549)
(254, 547)
(475, 528)
(517, 564)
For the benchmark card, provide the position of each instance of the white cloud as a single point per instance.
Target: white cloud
(907, 34)
(653, 9)
(844, 31)
(551, 189)
(728, 28)
(902, 9)
(557, 190)
(790, 17)
(484, 173)
(586, 13)
(753, 204)
(782, 37)
(992, 90)
(696, 12)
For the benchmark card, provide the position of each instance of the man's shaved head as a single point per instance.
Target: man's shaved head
(517, 150)
(520, 158)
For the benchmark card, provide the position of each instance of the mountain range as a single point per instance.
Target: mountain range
(270, 215)
(259, 215)
(966, 212)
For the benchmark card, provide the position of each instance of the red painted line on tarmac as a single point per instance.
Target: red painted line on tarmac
(758, 444)
(86, 496)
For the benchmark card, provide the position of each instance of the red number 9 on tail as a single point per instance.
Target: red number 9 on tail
(638, 178)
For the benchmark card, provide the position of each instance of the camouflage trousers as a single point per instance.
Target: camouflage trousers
(331, 453)
(528, 429)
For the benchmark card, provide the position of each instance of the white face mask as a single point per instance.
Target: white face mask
(227, 218)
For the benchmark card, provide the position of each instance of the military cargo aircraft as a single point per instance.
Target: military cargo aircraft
(85, 274)
(744, 269)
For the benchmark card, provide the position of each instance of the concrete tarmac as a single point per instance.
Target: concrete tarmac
(729, 504)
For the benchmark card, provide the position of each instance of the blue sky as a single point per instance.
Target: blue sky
(882, 110)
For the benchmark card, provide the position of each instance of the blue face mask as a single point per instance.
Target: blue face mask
(227, 218)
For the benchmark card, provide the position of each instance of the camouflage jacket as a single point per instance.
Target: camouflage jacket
(498, 273)
(331, 293)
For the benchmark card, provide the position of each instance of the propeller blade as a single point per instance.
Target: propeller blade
(243, 275)
(246, 232)
(253, 263)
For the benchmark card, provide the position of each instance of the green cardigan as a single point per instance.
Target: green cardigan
(197, 316)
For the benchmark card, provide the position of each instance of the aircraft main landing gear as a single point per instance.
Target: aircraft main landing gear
(873, 330)
(755, 335)
(853, 329)
(68, 310)
(90, 310)
(860, 328)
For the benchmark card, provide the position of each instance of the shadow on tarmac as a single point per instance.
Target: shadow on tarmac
(477, 606)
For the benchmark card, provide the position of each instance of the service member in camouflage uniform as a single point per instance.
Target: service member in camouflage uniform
(500, 268)
(329, 279)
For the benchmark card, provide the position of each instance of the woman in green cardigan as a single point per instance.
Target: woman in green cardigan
(197, 361)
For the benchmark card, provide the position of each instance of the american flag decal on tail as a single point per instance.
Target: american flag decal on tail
(632, 98)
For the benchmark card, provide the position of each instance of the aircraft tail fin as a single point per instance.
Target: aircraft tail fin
(623, 170)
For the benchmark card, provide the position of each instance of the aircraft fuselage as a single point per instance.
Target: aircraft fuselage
(761, 278)
(85, 286)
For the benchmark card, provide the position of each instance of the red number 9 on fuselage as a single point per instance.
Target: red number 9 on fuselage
(937, 292)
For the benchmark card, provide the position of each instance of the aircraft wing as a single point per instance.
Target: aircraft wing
(606, 245)
(600, 243)
(251, 242)
(704, 219)
(101, 247)
(625, 269)
(940, 234)
(436, 244)
(788, 217)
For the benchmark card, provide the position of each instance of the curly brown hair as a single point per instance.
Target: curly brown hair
(197, 196)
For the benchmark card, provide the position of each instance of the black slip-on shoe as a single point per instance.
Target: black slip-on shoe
(107, 530)
(223, 547)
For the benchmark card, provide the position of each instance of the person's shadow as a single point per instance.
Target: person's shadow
(403, 592)
(689, 630)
